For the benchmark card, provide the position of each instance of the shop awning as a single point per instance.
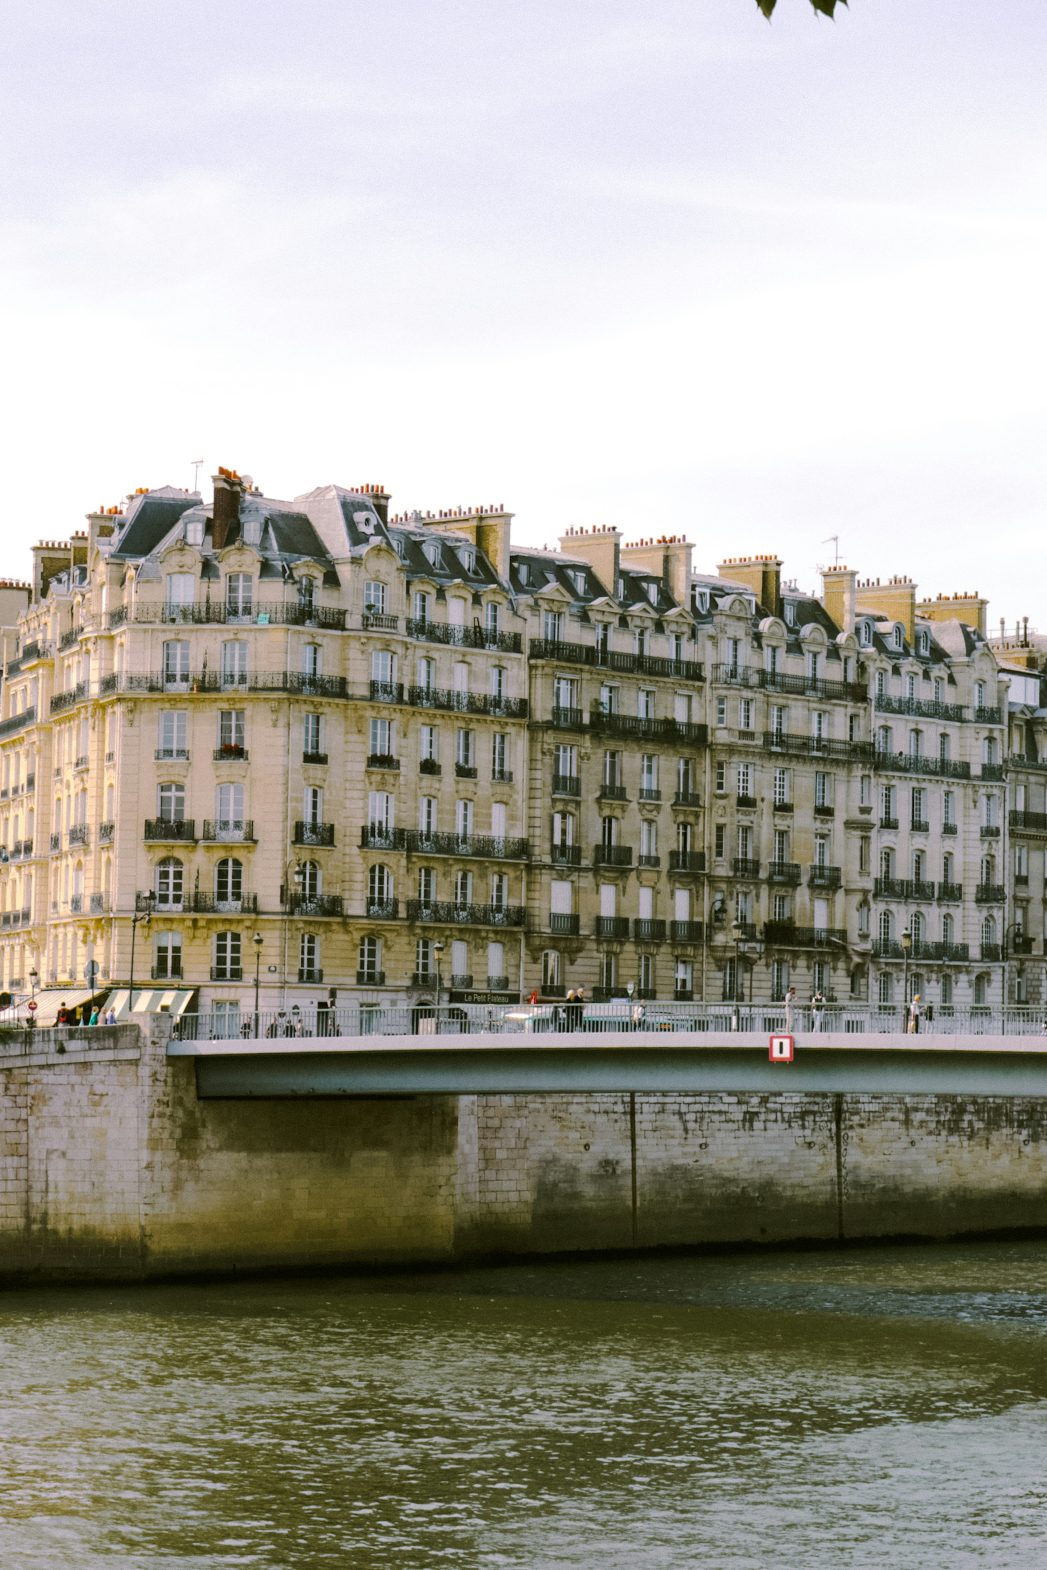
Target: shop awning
(150, 1000)
(48, 1003)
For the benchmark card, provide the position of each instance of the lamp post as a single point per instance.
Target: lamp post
(906, 951)
(438, 949)
(1013, 946)
(257, 940)
(145, 915)
(34, 977)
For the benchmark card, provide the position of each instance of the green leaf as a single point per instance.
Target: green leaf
(826, 7)
(766, 6)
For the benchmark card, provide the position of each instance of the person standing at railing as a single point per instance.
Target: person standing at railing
(790, 1009)
(818, 1010)
(915, 1010)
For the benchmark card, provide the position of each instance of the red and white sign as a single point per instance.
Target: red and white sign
(781, 1049)
(32, 1005)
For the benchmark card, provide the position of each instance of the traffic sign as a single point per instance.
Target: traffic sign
(781, 1049)
(32, 1005)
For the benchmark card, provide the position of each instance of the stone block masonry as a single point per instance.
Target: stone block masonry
(111, 1168)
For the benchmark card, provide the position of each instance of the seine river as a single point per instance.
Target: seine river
(883, 1408)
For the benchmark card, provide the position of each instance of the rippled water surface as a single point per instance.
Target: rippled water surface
(879, 1408)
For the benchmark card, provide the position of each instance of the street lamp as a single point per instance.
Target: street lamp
(34, 977)
(144, 915)
(257, 940)
(438, 949)
(906, 951)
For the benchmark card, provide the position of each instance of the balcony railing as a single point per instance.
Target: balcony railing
(382, 909)
(232, 752)
(904, 888)
(170, 828)
(310, 974)
(79, 834)
(815, 746)
(687, 861)
(611, 927)
(745, 867)
(235, 829)
(200, 904)
(916, 763)
(467, 702)
(919, 826)
(685, 931)
(465, 771)
(988, 715)
(106, 831)
(611, 791)
(566, 924)
(429, 766)
(951, 892)
(313, 833)
(566, 785)
(647, 929)
(493, 847)
(821, 877)
(297, 683)
(467, 914)
(925, 708)
(314, 757)
(66, 700)
(566, 855)
(1032, 822)
(382, 760)
(566, 718)
(473, 637)
(784, 872)
(171, 970)
(317, 905)
(18, 722)
(891, 948)
(277, 613)
(612, 855)
(370, 978)
(227, 973)
(379, 621)
(687, 798)
(989, 894)
(786, 934)
(990, 831)
(603, 723)
(614, 659)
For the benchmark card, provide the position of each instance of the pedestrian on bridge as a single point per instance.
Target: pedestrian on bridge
(790, 1009)
(818, 1010)
(915, 1010)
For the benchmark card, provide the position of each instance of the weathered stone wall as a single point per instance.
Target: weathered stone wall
(110, 1166)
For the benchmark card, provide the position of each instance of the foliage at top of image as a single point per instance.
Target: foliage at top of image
(826, 7)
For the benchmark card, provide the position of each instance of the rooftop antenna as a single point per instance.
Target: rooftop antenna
(197, 464)
(834, 541)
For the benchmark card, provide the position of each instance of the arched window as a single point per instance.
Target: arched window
(229, 883)
(917, 926)
(886, 927)
(948, 928)
(989, 753)
(885, 987)
(988, 931)
(379, 887)
(887, 862)
(981, 990)
(170, 883)
(916, 744)
(311, 880)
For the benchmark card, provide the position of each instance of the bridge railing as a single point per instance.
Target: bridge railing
(572, 1019)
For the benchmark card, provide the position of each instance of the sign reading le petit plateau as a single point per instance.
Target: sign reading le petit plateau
(781, 1049)
(485, 997)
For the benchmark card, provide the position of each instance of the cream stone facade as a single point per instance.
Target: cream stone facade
(305, 743)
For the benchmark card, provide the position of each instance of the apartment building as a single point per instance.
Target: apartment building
(296, 746)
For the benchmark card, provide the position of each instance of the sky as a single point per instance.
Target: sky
(661, 265)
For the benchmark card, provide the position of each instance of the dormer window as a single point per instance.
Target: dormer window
(924, 642)
(431, 549)
(899, 636)
(578, 579)
(701, 600)
(467, 557)
(790, 613)
(865, 634)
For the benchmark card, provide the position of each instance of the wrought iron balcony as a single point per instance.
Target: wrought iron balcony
(888, 823)
(567, 785)
(904, 888)
(566, 718)
(382, 760)
(605, 724)
(925, 708)
(784, 872)
(467, 914)
(746, 802)
(687, 798)
(66, 700)
(492, 847)
(952, 892)
(564, 923)
(614, 659)
(314, 757)
(991, 951)
(313, 833)
(465, 771)
(745, 867)
(310, 974)
(988, 714)
(370, 978)
(456, 702)
(170, 828)
(786, 934)
(218, 905)
(474, 637)
(172, 755)
(172, 971)
(382, 909)
(649, 793)
(230, 752)
(815, 746)
(687, 861)
(225, 973)
(612, 855)
(920, 826)
(609, 791)
(277, 613)
(385, 691)
(990, 894)
(611, 927)
(648, 859)
(566, 855)
(822, 877)
(685, 931)
(235, 830)
(316, 905)
(990, 831)
(647, 929)
(1032, 822)
(916, 763)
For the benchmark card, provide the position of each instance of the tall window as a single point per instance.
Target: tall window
(172, 736)
(238, 596)
(500, 756)
(369, 962)
(167, 956)
(169, 884)
(229, 883)
(176, 662)
(309, 958)
(229, 809)
(312, 735)
(379, 884)
(313, 805)
(234, 663)
(231, 730)
(375, 597)
(179, 592)
(170, 803)
(227, 957)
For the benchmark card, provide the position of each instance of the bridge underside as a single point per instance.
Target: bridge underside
(626, 1062)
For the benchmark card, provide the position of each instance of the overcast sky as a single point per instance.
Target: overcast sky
(658, 264)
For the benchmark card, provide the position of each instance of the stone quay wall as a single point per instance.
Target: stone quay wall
(112, 1168)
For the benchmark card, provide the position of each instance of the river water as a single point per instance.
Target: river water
(876, 1407)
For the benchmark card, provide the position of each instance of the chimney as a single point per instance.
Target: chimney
(670, 557)
(601, 548)
(225, 513)
(760, 574)
(968, 608)
(895, 600)
(838, 595)
(379, 498)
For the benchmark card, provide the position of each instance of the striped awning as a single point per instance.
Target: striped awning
(49, 1002)
(149, 1000)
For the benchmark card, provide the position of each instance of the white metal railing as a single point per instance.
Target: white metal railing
(355, 1020)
